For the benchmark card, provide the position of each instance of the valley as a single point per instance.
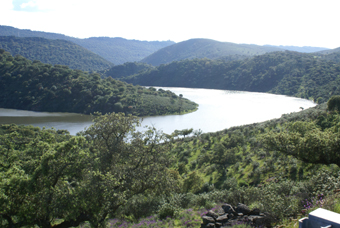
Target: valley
(226, 140)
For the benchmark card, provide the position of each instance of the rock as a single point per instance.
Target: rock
(222, 219)
(207, 219)
(241, 208)
(210, 225)
(228, 208)
(218, 224)
(254, 211)
(228, 216)
(212, 214)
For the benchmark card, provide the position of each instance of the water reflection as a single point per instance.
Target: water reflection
(218, 109)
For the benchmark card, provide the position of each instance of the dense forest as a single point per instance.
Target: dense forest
(288, 73)
(126, 69)
(204, 48)
(115, 50)
(42, 87)
(53, 52)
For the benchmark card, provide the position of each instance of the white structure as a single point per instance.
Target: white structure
(320, 218)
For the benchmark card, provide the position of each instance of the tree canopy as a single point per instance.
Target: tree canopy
(307, 141)
(51, 179)
(42, 87)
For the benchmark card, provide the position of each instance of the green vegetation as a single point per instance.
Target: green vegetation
(126, 69)
(115, 50)
(52, 179)
(287, 73)
(53, 52)
(112, 175)
(204, 48)
(42, 87)
(330, 55)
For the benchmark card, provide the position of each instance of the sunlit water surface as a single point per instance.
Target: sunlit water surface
(218, 109)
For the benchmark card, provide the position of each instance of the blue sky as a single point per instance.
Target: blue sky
(275, 22)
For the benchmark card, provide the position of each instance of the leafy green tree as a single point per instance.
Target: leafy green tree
(52, 180)
(307, 142)
(333, 103)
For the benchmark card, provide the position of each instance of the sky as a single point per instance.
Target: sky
(274, 22)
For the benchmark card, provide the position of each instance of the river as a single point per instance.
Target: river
(218, 109)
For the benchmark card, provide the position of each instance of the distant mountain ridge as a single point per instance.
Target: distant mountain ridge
(304, 49)
(115, 50)
(53, 52)
(204, 48)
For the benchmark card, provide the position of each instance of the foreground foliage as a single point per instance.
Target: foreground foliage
(48, 175)
(110, 174)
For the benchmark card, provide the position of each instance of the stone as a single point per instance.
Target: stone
(254, 211)
(212, 214)
(222, 219)
(207, 219)
(228, 208)
(218, 224)
(210, 225)
(242, 208)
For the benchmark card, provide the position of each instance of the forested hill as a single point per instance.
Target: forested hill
(331, 55)
(204, 48)
(42, 87)
(49, 51)
(115, 50)
(126, 69)
(288, 73)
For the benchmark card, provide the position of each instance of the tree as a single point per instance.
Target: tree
(307, 142)
(333, 103)
(80, 178)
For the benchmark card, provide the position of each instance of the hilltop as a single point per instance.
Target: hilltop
(115, 50)
(49, 51)
(204, 48)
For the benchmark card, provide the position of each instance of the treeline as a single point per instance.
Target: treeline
(60, 52)
(42, 87)
(287, 73)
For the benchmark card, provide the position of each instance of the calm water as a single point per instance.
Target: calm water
(218, 109)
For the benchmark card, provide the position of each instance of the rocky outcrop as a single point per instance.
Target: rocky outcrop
(229, 216)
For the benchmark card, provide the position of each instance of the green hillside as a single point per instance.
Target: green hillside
(172, 183)
(204, 48)
(36, 86)
(331, 55)
(288, 73)
(60, 52)
(126, 69)
(114, 50)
